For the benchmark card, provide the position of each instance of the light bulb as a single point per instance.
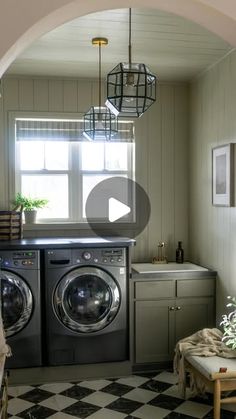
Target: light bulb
(100, 125)
(129, 88)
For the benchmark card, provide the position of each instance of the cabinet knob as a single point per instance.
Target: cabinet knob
(178, 308)
(171, 308)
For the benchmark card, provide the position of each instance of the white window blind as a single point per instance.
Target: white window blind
(64, 130)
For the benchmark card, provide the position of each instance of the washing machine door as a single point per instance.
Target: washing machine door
(87, 299)
(16, 302)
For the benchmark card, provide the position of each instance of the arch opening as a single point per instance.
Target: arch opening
(41, 18)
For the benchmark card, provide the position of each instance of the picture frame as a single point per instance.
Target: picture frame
(222, 175)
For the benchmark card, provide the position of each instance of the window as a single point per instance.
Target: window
(53, 161)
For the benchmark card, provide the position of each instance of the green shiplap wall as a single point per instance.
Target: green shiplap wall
(162, 160)
(212, 123)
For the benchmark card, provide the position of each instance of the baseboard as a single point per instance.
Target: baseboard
(167, 365)
(68, 373)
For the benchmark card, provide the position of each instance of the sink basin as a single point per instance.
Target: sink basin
(145, 268)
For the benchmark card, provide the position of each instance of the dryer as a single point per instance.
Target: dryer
(20, 306)
(86, 305)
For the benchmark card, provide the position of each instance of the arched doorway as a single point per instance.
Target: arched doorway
(38, 18)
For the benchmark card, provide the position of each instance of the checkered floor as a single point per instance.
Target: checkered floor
(145, 396)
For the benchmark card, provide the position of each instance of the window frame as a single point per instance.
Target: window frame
(15, 173)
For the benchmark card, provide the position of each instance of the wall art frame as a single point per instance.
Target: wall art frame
(223, 175)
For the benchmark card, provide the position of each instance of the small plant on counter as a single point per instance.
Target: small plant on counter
(25, 203)
(29, 206)
(229, 325)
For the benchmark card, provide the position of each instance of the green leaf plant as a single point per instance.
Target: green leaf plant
(24, 203)
(229, 324)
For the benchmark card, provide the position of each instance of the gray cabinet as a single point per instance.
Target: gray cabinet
(193, 314)
(168, 310)
(154, 331)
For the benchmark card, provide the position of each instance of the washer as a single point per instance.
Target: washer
(20, 306)
(86, 305)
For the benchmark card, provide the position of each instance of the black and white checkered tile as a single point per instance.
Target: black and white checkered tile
(144, 396)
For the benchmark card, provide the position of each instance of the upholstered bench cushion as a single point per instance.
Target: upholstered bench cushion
(210, 365)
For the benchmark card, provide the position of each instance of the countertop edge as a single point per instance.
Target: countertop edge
(172, 275)
(64, 242)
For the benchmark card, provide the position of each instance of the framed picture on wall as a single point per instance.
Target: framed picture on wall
(222, 175)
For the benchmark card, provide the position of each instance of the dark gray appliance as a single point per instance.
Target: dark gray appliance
(86, 305)
(20, 306)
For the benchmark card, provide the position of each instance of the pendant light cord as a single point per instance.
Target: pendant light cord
(99, 42)
(99, 76)
(129, 36)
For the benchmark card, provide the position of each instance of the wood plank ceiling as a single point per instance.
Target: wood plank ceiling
(171, 46)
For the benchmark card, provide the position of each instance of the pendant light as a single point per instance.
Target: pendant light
(131, 87)
(99, 122)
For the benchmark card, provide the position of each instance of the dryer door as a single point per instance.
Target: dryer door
(16, 302)
(87, 299)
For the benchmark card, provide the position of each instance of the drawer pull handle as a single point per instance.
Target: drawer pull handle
(171, 308)
(178, 308)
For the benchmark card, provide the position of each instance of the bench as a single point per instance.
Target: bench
(4, 396)
(207, 369)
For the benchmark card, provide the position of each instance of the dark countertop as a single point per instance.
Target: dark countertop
(61, 243)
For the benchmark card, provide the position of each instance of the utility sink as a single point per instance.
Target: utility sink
(145, 268)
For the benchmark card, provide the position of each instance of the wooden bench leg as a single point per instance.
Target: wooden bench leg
(217, 396)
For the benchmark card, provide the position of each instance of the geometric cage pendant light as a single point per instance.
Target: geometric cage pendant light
(99, 122)
(131, 87)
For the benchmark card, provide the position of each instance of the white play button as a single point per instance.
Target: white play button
(117, 209)
(115, 201)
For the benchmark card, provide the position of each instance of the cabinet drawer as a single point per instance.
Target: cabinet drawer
(195, 287)
(155, 289)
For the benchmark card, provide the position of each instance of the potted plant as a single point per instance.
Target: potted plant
(29, 206)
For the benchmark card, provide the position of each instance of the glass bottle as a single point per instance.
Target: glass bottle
(179, 253)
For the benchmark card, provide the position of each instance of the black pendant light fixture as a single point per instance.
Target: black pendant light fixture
(131, 87)
(99, 122)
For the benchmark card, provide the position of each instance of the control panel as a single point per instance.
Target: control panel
(108, 256)
(86, 256)
(25, 259)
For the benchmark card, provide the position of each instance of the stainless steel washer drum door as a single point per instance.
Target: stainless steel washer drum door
(16, 302)
(86, 299)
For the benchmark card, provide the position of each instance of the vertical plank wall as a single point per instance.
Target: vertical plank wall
(213, 122)
(161, 152)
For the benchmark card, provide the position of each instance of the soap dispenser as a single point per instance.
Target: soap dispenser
(179, 253)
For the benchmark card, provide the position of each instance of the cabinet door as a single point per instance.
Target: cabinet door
(154, 330)
(193, 314)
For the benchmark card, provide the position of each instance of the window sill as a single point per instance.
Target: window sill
(55, 226)
(76, 226)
